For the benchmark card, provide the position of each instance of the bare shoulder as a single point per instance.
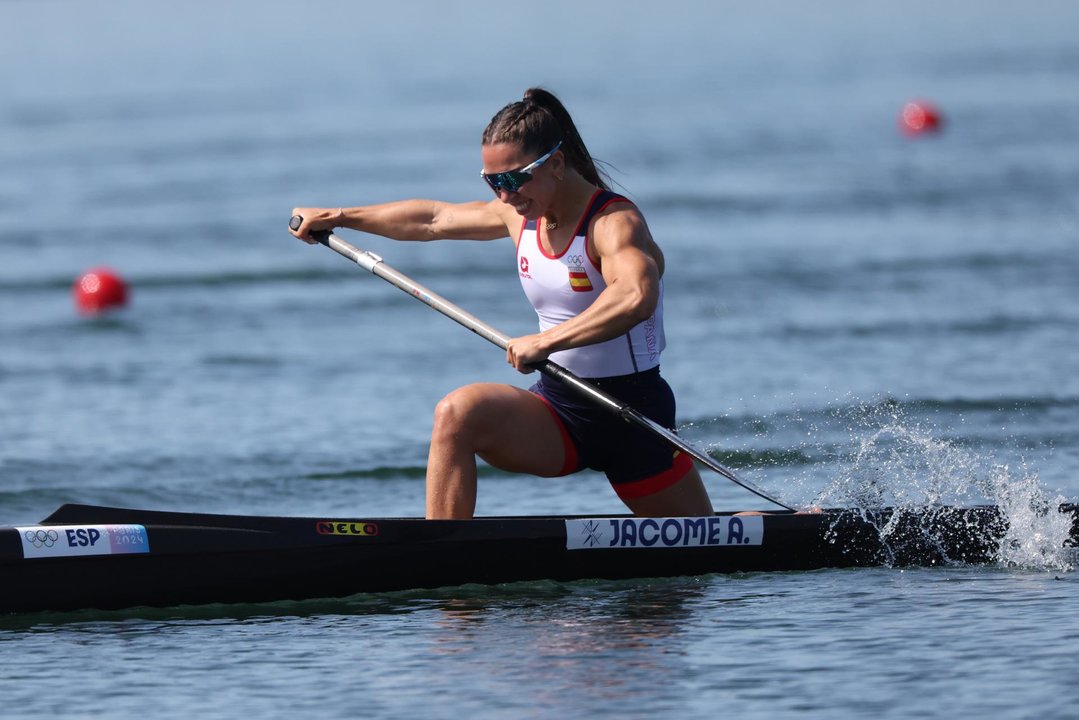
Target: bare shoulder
(622, 226)
(620, 222)
(509, 217)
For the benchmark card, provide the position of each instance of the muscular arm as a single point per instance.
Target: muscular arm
(631, 264)
(412, 220)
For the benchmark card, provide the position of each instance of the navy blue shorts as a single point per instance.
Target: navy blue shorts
(635, 461)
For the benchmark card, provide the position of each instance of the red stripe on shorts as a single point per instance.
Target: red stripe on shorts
(652, 485)
(571, 463)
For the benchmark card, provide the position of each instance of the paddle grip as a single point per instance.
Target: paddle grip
(322, 236)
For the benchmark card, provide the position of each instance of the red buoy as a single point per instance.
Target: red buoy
(919, 118)
(98, 290)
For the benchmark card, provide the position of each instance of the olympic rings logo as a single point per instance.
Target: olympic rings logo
(576, 260)
(41, 538)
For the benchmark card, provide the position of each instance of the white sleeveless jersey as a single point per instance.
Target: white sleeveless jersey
(563, 286)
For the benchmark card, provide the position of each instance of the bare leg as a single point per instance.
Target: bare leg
(686, 498)
(508, 427)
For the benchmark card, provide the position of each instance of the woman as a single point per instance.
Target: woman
(591, 269)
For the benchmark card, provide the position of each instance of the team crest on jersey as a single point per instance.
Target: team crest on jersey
(578, 278)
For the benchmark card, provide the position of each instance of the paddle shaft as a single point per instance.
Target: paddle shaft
(374, 264)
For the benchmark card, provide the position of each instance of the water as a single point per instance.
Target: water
(853, 317)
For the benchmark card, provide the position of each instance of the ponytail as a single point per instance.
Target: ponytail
(537, 123)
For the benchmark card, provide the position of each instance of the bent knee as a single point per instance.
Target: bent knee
(462, 409)
(451, 411)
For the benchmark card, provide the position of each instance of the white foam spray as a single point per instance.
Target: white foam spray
(901, 464)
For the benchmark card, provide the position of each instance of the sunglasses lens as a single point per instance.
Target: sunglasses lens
(512, 180)
(509, 181)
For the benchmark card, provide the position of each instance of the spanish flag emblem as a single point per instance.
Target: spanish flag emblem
(578, 280)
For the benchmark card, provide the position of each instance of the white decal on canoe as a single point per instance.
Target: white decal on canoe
(599, 533)
(42, 541)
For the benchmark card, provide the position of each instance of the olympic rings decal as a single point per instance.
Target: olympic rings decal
(41, 538)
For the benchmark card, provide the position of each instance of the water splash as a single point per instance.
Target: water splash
(902, 464)
(1036, 531)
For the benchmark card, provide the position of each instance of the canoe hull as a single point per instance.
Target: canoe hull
(201, 558)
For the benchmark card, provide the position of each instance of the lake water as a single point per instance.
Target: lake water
(853, 316)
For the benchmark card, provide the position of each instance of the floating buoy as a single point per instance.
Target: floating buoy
(99, 290)
(919, 118)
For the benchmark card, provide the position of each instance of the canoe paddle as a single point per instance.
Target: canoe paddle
(374, 264)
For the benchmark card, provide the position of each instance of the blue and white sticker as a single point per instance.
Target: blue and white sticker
(43, 541)
(680, 532)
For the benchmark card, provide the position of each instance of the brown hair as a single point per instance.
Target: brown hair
(537, 122)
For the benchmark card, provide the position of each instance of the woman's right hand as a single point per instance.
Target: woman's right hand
(315, 219)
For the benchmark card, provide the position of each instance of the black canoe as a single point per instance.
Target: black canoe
(106, 558)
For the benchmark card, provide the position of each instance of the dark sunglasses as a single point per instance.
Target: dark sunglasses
(512, 180)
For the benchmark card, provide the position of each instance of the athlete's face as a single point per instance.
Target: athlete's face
(531, 193)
